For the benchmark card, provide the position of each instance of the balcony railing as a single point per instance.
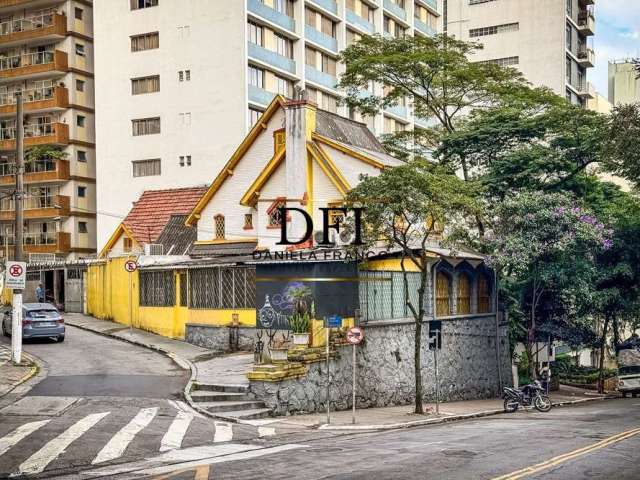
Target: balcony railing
(36, 239)
(329, 5)
(36, 134)
(30, 130)
(27, 59)
(397, 110)
(360, 22)
(321, 39)
(432, 3)
(395, 9)
(30, 202)
(586, 57)
(260, 96)
(424, 28)
(258, 8)
(321, 78)
(33, 27)
(38, 166)
(31, 95)
(587, 23)
(270, 57)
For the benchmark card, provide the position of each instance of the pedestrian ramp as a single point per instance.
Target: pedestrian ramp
(55, 443)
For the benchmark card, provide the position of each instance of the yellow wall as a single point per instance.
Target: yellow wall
(392, 265)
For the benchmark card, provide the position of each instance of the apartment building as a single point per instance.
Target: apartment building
(46, 53)
(180, 82)
(624, 82)
(550, 41)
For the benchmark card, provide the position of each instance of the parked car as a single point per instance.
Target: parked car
(39, 320)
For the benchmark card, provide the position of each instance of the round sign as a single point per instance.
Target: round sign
(130, 266)
(15, 271)
(355, 335)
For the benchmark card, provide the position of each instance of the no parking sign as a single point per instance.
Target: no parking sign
(16, 276)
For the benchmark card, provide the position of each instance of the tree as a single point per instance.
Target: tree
(405, 206)
(623, 146)
(542, 243)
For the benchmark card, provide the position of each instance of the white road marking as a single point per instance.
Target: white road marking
(37, 462)
(121, 440)
(266, 431)
(224, 432)
(18, 434)
(173, 438)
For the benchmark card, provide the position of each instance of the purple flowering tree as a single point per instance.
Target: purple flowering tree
(545, 243)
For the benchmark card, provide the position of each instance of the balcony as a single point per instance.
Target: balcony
(270, 57)
(32, 64)
(258, 8)
(399, 111)
(321, 39)
(45, 242)
(586, 23)
(395, 9)
(586, 57)
(36, 100)
(355, 19)
(328, 5)
(422, 122)
(50, 27)
(260, 96)
(320, 78)
(424, 28)
(36, 207)
(36, 134)
(585, 90)
(40, 171)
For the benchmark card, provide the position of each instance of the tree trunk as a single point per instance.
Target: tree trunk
(603, 347)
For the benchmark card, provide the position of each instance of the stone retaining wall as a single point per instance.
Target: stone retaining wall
(221, 339)
(467, 365)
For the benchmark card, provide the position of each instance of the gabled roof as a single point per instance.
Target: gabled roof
(176, 238)
(347, 131)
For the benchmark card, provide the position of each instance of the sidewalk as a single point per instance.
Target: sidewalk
(13, 375)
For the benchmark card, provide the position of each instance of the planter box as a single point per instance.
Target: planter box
(278, 355)
(301, 339)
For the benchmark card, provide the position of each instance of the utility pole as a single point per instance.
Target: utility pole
(16, 319)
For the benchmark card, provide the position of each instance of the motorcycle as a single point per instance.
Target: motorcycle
(532, 395)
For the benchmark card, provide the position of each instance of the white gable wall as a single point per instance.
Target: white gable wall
(275, 187)
(350, 167)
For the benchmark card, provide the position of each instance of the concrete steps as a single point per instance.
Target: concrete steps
(228, 401)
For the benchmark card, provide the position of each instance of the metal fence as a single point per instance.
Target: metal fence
(382, 295)
(157, 289)
(228, 287)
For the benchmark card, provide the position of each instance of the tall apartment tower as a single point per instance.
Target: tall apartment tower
(624, 82)
(180, 82)
(46, 52)
(547, 40)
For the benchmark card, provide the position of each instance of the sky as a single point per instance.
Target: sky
(617, 36)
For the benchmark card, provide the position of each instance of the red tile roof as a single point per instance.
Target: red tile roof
(154, 208)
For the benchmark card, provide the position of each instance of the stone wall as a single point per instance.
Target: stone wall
(221, 339)
(467, 367)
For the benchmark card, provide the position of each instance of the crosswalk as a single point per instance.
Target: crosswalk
(85, 436)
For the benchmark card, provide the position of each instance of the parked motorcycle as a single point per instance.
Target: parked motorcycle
(532, 395)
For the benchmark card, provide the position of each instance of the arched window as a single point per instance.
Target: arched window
(219, 224)
(443, 288)
(484, 294)
(464, 294)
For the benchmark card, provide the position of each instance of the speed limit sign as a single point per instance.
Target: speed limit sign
(130, 266)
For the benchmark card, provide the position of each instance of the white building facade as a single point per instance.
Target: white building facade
(180, 83)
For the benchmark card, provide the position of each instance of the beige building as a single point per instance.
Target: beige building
(191, 77)
(46, 52)
(624, 84)
(548, 40)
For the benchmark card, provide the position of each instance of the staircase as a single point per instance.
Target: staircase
(232, 402)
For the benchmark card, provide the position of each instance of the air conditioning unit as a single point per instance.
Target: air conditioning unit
(342, 238)
(153, 249)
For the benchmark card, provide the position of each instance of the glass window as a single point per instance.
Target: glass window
(248, 221)
(81, 155)
(138, 4)
(255, 33)
(146, 41)
(484, 294)
(145, 85)
(254, 115)
(80, 50)
(146, 168)
(80, 85)
(79, 13)
(82, 192)
(145, 126)
(219, 225)
(443, 289)
(81, 121)
(256, 76)
(464, 294)
(82, 227)
(284, 46)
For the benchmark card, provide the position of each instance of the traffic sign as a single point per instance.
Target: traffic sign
(334, 321)
(130, 266)
(16, 276)
(355, 335)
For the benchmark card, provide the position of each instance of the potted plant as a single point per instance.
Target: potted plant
(278, 350)
(299, 324)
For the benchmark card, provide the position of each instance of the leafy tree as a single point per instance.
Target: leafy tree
(404, 207)
(623, 146)
(542, 243)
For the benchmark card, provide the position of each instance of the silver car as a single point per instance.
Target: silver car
(39, 320)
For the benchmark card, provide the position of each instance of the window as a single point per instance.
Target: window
(328, 65)
(284, 46)
(283, 6)
(464, 294)
(187, 75)
(145, 126)
(138, 4)
(256, 76)
(219, 226)
(274, 214)
(568, 70)
(82, 227)
(184, 31)
(255, 33)
(80, 85)
(185, 119)
(442, 294)
(254, 115)
(185, 160)
(188, 160)
(569, 7)
(146, 168)
(79, 13)
(284, 86)
(181, 76)
(484, 294)
(145, 85)
(82, 192)
(493, 30)
(352, 37)
(81, 120)
(248, 221)
(81, 156)
(146, 41)
(569, 37)
(279, 140)
(127, 244)
(326, 25)
(503, 62)
(157, 289)
(80, 49)
(181, 160)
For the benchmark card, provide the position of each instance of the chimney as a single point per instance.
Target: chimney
(300, 122)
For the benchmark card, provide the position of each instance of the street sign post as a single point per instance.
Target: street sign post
(332, 321)
(355, 335)
(130, 266)
(16, 275)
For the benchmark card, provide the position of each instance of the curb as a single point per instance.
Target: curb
(436, 421)
(35, 367)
